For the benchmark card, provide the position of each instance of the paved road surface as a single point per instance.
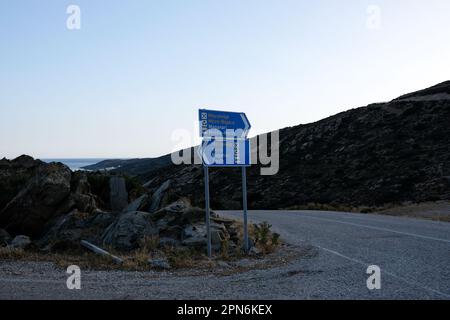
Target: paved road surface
(414, 257)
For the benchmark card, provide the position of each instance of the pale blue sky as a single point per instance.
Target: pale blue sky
(138, 70)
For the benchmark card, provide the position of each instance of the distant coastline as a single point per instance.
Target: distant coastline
(76, 164)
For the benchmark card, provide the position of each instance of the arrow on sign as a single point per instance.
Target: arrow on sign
(225, 153)
(223, 123)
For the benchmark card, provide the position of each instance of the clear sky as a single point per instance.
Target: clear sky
(138, 70)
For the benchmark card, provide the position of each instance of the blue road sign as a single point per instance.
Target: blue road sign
(226, 153)
(227, 124)
(225, 144)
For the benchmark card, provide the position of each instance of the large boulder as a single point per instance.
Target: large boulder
(25, 162)
(137, 204)
(67, 231)
(159, 262)
(170, 215)
(158, 195)
(14, 175)
(118, 194)
(37, 203)
(21, 242)
(81, 195)
(5, 238)
(180, 212)
(128, 230)
(80, 183)
(195, 235)
(174, 220)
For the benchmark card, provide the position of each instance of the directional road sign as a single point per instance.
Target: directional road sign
(225, 144)
(224, 123)
(226, 153)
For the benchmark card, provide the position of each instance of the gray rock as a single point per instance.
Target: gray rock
(5, 238)
(101, 252)
(218, 227)
(224, 221)
(67, 231)
(14, 176)
(173, 214)
(174, 232)
(149, 183)
(137, 204)
(251, 244)
(196, 230)
(195, 235)
(20, 242)
(192, 215)
(118, 193)
(195, 242)
(128, 230)
(25, 161)
(101, 219)
(33, 207)
(158, 195)
(254, 251)
(243, 263)
(160, 263)
(84, 202)
(81, 197)
(223, 264)
(80, 183)
(168, 242)
(217, 238)
(54, 232)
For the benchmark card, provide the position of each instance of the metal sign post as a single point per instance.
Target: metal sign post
(208, 223)
(244, 205)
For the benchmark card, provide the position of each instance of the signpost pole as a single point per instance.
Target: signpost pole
(244, 202)
(208, 228)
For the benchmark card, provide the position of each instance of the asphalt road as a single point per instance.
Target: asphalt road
(413, 255)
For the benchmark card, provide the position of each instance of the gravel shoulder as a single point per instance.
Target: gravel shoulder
(330, 255)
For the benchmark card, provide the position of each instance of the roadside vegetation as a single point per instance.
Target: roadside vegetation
(263, 243)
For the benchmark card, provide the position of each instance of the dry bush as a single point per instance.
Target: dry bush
(265, 239)
(7, 253)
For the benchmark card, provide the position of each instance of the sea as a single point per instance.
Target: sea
(75, 164)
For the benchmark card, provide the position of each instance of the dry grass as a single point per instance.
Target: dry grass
(138, 260)
(61, 260)
(7, 253)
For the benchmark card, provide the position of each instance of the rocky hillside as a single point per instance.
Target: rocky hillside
(132, 166)
(49, 208)
(385, 153)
